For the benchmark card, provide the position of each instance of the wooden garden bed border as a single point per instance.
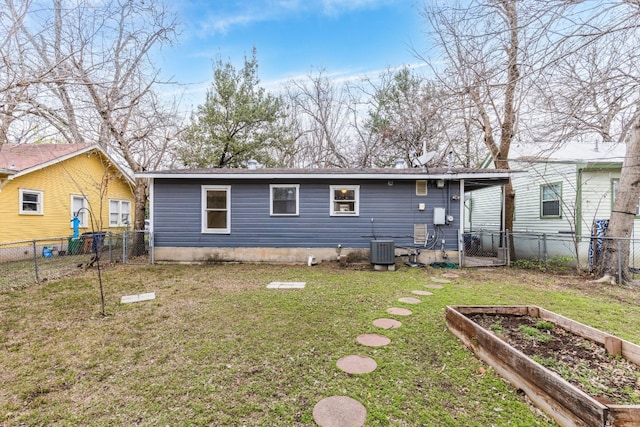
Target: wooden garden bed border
(565, 403)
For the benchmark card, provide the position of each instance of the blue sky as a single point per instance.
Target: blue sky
(293, 38)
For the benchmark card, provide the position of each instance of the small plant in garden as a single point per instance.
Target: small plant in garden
(534, 334)
(496, 327)
(544, 325)
(587, 345)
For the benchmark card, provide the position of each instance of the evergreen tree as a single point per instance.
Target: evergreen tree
(238, 121)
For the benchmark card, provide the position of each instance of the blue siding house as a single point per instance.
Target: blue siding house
(290, 215)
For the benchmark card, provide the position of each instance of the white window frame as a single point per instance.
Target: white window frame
(121, 222)
(333, 203)
(296, 188)
(204, 210)
(84, 214)
(39, 203)
(558, 199)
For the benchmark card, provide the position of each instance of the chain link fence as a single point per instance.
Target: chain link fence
(36, 261)
(547, 250)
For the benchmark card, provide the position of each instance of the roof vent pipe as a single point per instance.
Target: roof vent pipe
(400, 164)
(252, 164)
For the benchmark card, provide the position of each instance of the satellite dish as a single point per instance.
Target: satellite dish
(423, 159)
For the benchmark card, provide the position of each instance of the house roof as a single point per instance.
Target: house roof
(473, 177)
(20, 159)
(573, 152)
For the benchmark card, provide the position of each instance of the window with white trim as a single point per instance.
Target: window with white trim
(31, 202)
(550, 198)
(284, 199)
(77, 203)
(345, 200)
(216, 209)
(119, 213)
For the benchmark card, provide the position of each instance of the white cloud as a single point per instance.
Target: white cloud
(335, 7)
(223, 20)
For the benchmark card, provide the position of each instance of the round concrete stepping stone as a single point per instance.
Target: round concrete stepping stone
(373, 340)
(439, 280)
(385, 323)
(409, 300)
(425, 293)
(450, 275)
(356, 364)
(399, 311)
(433, 286)
(339, 411)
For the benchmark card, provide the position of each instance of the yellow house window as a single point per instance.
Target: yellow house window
(119, 213)
(77, 203)
(31, 202)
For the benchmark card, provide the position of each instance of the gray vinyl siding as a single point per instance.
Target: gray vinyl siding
(393, 208)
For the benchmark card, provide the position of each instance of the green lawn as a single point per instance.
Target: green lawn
(216, 347)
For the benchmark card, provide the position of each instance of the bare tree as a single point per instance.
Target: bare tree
(101, 84)
(591, 95)
(405, 115)
(320, 107)
(14, 78)
(481, 44)
(596, 96)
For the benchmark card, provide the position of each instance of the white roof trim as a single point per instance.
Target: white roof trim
(310, 175)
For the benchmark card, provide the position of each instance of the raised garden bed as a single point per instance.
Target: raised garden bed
(567, 404)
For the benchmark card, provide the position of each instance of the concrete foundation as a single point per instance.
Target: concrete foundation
(282, 255)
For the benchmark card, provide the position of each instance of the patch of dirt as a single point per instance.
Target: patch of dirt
(581, 362)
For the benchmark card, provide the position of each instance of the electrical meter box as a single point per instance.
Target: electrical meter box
(439, 216)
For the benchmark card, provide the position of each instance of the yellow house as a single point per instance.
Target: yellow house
(44, 186)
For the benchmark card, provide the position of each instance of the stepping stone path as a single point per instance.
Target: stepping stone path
(286, 285)
(339, 411)
(373, 340)
(450, 275)
(399, 311)
(343, 411)
(387, 323)
(356, 364)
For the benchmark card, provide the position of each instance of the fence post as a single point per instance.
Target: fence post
(619, 263)
(35, 261)
(124, 247)
(507, 245)
(110, 247)
(544, 249)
